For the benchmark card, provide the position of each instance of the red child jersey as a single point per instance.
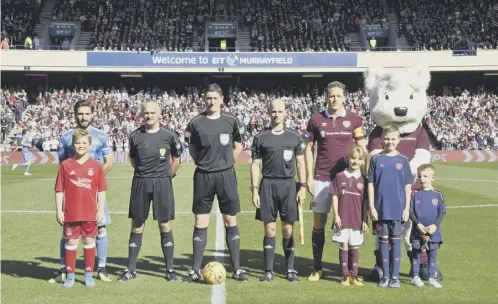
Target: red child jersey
(350, 191)
(334, 138)
(80, 184)
(408, 143)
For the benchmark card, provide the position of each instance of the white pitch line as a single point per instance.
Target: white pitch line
(472, 206)
(242, 212)
(218, 295)
(53, 179)
(49, 211)
(472, 180)
(188, 176)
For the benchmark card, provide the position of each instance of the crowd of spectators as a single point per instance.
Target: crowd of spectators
(162, 25)
(159, 25)
(459, 119)
(304, 26)
(19, 19)
(274, 25)
(450, 24)
(75, 10)
(464, 119)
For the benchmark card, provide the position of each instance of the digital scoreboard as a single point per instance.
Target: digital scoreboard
(221, 30)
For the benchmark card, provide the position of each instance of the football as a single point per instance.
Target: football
(214, 273)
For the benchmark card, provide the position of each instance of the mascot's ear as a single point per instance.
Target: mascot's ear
(372, 77)
(419, 77)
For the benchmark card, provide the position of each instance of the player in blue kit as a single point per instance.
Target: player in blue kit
(102, 153)
(27, 155)
(427, 210)
(389, 193)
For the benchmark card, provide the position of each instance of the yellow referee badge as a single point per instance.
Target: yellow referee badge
(162, 151)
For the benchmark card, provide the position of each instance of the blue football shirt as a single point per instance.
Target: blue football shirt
(26, 143)
(98, 149)
(390, 175)
(427, 206)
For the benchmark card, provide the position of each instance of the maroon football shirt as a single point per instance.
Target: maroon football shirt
(350, 190)
(418, 139)
(334, 138)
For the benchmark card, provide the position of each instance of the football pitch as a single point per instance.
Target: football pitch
(30, 250)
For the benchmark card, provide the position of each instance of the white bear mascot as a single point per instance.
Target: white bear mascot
(399, 97)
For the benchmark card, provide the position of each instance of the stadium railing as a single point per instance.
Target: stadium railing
(252, 49)
(87, 48)
(227, 18)
(383, 49)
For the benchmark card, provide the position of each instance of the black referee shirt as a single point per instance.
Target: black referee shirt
(151, 152)
(213, 140)
(278, 152)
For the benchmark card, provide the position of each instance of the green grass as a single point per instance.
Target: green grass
(30, 247)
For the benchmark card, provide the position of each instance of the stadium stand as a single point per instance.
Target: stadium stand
(271, 25)
(458, 119)
(455, 25)
(304, 26)
(149, 25)
(19, 19)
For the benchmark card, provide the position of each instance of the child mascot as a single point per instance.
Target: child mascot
(399, 97)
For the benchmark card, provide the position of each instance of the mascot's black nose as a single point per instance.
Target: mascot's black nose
(400, 111)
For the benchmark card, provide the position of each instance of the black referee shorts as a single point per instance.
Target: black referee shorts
(277, 196)
(155, 189)
(223, 184)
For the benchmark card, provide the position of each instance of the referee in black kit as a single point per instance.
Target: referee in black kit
(214, 139)
(150, 149)
(278, 148)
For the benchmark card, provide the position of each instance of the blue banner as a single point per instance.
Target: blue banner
(221, 60)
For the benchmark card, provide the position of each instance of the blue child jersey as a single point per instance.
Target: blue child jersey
(390, 175)
(427, 207)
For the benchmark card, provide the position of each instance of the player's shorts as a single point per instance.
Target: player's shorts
(27, 156)
(352, 237)
(73, 230)
(223, 184)
(321, 200)
(418, 244)
(107, 217)
(159, 190)
(277, 196)
(389, 228)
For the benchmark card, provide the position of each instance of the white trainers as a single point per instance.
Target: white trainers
(27, 174)
(417, 282)
(434, 283)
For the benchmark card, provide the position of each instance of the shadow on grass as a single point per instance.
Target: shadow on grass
(253, 262)
(42, 268)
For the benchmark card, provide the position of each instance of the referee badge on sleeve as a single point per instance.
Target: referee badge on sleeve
(287, 155)
(224, 139)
